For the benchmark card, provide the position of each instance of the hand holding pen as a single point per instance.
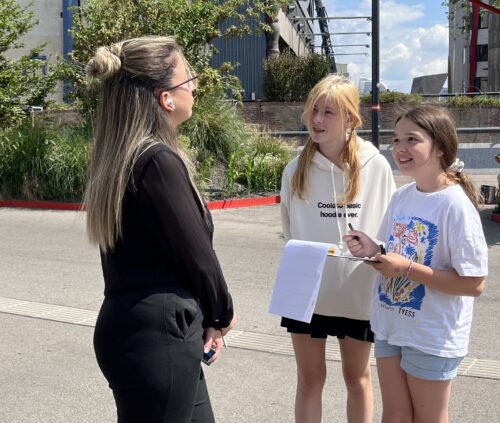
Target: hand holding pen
(360, 244)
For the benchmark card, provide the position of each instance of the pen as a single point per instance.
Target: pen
(352, 229)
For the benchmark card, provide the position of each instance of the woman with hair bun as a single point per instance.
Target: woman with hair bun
(165, 298)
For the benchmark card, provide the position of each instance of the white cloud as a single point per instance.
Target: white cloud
(408, 47)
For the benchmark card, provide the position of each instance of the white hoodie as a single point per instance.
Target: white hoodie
(347, 286)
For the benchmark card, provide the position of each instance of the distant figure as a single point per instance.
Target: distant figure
(337, 179)
(434, 266)
(165, 298)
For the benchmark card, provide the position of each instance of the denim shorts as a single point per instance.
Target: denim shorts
(419, 364)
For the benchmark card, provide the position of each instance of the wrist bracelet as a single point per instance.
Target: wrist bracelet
(408, 271)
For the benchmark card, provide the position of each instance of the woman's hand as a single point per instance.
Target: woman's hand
(360, 244)
(391, 265)
(225, 330)
(213, 339)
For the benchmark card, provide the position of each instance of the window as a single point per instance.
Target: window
(43, 59)
(481, 84)
(483, 20)
(482, 52)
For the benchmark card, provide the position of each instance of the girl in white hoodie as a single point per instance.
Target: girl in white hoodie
(337, 179)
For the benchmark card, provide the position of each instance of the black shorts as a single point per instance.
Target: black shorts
(322, 326)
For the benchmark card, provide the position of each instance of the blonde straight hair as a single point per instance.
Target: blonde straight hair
(132, 74)
(345, 95)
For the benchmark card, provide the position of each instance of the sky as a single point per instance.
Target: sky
(413, 39)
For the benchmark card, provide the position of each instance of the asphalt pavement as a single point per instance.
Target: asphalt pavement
(51, 289)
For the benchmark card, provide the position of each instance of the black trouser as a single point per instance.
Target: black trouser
(149, 348)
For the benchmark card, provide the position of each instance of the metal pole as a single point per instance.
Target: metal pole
(375, 73)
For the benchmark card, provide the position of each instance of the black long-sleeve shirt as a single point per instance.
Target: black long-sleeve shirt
(167, 237)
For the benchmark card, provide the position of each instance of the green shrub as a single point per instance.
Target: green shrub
(290, 78)
(215, 127)
(39, 163)
(393, 97)
(65, 164)
(258, 164)
(465, 101)
(21, 156)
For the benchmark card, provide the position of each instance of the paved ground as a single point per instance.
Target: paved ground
(47, 367)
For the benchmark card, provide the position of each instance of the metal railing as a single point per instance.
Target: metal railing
(471, 130)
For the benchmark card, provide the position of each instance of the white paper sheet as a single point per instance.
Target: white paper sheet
(299, 277)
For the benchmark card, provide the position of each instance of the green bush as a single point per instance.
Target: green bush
(290, 78)
(465, 101)
(65, 164)
(45, 162)
(393, 97)
(258, 164)
(42, 163)
(215, 127)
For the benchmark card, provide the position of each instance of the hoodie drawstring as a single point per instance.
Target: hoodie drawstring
(341, 243)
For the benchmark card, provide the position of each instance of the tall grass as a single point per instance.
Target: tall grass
(215, 127)
(39, 162)
(65, 164)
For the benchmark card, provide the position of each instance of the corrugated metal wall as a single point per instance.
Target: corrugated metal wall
(249, 51)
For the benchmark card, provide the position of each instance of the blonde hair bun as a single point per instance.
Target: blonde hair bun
(105, 63)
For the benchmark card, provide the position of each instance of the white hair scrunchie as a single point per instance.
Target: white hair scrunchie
(457, 166)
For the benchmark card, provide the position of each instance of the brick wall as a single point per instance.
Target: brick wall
(275, 116)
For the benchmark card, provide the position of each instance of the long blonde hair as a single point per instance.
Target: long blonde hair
(439, 124)
(129, 115)
(341, 91)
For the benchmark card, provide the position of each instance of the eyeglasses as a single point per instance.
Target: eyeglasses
(182, 83)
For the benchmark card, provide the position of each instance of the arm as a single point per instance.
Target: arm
(447, 280)
(184, 234)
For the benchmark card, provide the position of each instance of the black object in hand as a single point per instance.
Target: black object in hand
(207, 356)
(352, 229)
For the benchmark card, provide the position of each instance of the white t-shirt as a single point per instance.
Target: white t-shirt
(441, 230)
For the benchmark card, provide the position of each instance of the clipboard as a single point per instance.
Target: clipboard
(334, 251)
(354, 258)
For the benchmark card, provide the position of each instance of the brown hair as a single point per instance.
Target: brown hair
(345, 95)
(439, 124)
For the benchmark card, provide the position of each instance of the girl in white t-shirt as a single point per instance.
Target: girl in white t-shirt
(436, 262)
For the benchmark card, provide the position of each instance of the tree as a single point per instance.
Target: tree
(290, 78)
(194, 23)
(24, 81)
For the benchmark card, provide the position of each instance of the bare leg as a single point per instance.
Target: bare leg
(357, 377)
(396, 399)
(311, 376)
(430, 399)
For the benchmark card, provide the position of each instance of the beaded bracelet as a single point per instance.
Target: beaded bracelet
(408, 271)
